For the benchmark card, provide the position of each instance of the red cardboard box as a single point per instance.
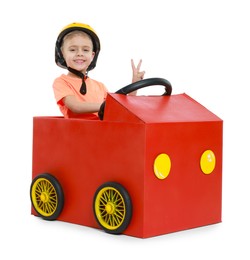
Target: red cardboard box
(165, 151)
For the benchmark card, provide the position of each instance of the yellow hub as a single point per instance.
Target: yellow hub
(110, 208)
(44, 197)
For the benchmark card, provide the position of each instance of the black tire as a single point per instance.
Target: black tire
(47, 196)
(112, 207)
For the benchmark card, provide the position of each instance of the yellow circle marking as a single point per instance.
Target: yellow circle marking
(162, 166)
(207, 162)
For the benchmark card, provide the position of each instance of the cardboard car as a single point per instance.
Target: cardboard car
(151, 165)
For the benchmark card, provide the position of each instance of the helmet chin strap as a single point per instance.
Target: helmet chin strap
(83, 89)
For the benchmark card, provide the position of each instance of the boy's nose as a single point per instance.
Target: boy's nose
(79, 53)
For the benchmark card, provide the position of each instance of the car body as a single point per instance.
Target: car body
(165, 152)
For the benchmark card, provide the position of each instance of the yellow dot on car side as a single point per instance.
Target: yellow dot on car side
(207, 162)
(162, 166)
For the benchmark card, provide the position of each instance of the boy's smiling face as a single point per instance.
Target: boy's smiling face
(77, 50)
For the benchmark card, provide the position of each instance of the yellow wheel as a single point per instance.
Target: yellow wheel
(47, 196)
(112, 207)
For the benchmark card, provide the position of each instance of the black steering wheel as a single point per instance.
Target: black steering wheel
(138, 85)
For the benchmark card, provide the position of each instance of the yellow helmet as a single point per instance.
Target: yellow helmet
(81, 27)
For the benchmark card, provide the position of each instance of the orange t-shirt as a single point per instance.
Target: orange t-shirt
(65, 85)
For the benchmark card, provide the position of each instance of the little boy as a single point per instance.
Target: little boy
(77, 50)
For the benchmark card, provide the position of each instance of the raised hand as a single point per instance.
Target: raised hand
(137, 74)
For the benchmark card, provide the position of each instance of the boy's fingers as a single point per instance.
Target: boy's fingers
(139, 65)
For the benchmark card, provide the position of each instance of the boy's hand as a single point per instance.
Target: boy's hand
(137, 74)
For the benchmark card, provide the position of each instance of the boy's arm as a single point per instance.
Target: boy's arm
(78, 107)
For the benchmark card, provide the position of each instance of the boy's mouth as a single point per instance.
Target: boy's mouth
(79, 61)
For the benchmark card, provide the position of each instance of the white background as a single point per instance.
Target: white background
(201, 47)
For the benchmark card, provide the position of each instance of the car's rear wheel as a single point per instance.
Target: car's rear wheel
(47, 196)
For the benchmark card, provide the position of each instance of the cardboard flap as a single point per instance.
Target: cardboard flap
(156, 109)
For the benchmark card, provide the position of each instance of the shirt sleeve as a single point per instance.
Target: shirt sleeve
(61, 89)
